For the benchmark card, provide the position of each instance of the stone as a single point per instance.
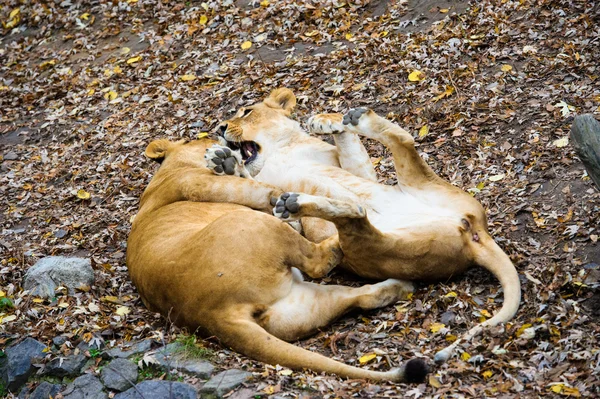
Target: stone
(10, 156)
(45, 390)
(132, 350)
(119, 375)
(16, 367)
(86, 386)
(66, 366)
(585, 138)
(169, 359)
(225, 382)
(58, 341)
(158, 389)
(48, 273)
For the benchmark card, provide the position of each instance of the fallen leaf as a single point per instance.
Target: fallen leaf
(286, 372)
(246, 45)
(110, 95)
(367, 358)
(506, 68)
(434, 382)
(423, 131)
(133, 60)
(496, 177)
(435, 327)
(565, 109)
(82, 194)
(187, 78)
(487, 374)
(561, 142)
(122, 310)
(202, 135)
(203, 20)
(416, 76)
(465, 356)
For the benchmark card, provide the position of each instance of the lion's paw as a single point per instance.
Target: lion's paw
(326, 124)
(353, 116)
(287, 207)
(222, 161)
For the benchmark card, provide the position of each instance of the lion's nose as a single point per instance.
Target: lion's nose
(222, 129)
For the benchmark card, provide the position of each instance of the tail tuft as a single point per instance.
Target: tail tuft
(414, 371)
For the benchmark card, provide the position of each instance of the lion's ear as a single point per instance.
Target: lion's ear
(281, 98)
(158, 149)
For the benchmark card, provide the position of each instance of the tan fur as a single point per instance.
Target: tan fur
(426, 228)
(201, 257)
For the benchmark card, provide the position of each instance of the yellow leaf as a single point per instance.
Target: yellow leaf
(423, 131)
(416, 76)
(187, 78)
(111, 95)
(451, 294)
(202, 135)
(496, 177)
(246, 45)
(63, 305)
(47, 63)
(82, 194)
(557, 388)
(203, 20)
(38, 300)
(434, 382)
(91, 92)
(367, 358)
(481, 185)
(506, 68)
(122, 310)
(444, 10)
(522, 329)
(2, 294)
(561, 142)
(435, 327)
(384, 33)
(125, 50)
(117, 69)
(451, 338)
(349, 36)
(14, 13)
(133, 60)
(486, 313)
(465, 356)
(111, 299)
(286, 372)
(108, 72)
(264, 3)
(487, 374)
(85, 16)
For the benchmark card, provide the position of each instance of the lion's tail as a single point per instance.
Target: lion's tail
(247, 337)
(490, 256)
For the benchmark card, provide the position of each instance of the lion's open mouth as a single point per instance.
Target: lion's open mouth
(249, 149)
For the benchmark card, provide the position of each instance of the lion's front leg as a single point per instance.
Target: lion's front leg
(222, 160)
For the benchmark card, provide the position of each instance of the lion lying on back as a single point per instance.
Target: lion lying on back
(202, 254)
(423, 228)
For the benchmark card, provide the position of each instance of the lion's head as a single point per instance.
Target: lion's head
(256, 130)
(182, 152)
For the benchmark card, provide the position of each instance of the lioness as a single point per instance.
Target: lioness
(422, 228)
(199, 255)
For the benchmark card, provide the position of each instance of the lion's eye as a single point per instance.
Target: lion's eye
(247, 112)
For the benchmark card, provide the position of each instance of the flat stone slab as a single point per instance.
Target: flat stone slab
(86, 386)
(158, 389)
(16, 367)
(45, 390)
(125, 352)
(119, 375)
(225, 382)
(66, 367)
(49, 273)
(170, 359)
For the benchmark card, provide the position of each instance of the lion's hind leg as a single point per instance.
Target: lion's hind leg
(352, 154)
(309, 306)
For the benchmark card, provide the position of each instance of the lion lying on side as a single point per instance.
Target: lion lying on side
(423, 228)
(200, 256)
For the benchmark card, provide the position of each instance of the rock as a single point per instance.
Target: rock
(169, 359)
(65, 367)
(585, 138)
(119, 375)
(16, 367)
(45, 390)
(10, 156)
(157, 389)
(135, 349)
(95, 343)
(48, 273)
(224, 382)
(58, 341)
(85, 387)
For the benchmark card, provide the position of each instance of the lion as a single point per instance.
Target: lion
(423, 228)
(207, 253)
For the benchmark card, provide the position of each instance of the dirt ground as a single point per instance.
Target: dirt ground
(84, 87)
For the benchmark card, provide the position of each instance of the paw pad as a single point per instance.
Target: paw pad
(353, 116)
(220, 160)
(286, 205)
